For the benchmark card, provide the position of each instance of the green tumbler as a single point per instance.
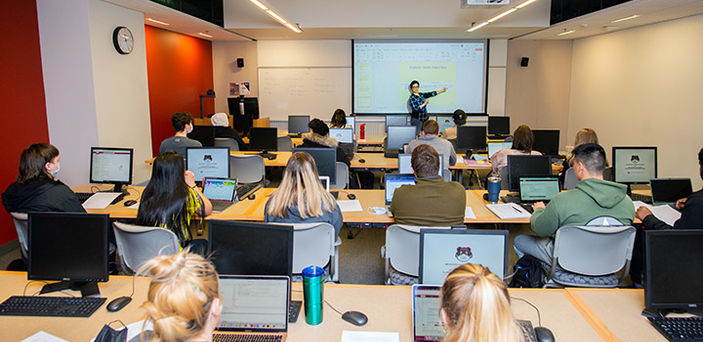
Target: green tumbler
(313, 288)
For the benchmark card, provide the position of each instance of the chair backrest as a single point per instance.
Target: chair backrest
(247, 168)
(313, 244)
(285, 143)
(342, 175)
(446, 175)
(570, 179)
(403, 247)
(227, 142)
(22, 227)
(593, 250)
(137, 244)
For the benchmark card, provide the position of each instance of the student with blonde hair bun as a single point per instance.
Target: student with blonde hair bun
(301, 198)
(183, 302)
(476, 307)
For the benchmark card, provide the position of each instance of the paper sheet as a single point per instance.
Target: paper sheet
(665, 213)
(100, 200)
(469, 213)
(349, 205)
(369, 336)
(43, 336)
(508, 211)
(460, 160)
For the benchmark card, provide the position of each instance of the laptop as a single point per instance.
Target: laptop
(253, 307)
(221, 192)
(325, 180)
(666, 191)
(494, 147)
(426, 317)
(536, 189)
(394, 181)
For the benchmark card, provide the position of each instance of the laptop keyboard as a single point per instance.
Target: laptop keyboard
(641, 198)
(243, 190)
(246, 338)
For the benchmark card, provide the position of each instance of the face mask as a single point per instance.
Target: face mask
(107, 334)
(56, 172)
(190, 129)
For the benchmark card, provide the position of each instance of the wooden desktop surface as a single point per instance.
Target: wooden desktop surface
(389, 308)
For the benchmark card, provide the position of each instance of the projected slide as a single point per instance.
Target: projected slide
(383, 70)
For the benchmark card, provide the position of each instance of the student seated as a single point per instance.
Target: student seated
(593, 197)
(431, 201)
(171, 199)
(523, 139)
(183, 124)
(320, 137)
(691, 209)
(459, 118)
(183, 302)
(37, 188)
(339, 119)
(222, 130)
(301, 198)
(584, 136)
(430, 131)
(476, 307)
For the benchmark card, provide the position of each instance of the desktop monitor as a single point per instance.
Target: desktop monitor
(263, 139)
(526, 166)
(499, 125)
(396, 120)
(673, 263)
(298, 123)
(351, 121)
(251, 248)
(70, 247)
(443, 250)
(204, 134)
(405, 163)
(208, 162)
(111, 166)
(243, 110)
(546, 141)
(399, 136)
(342, 135)
(634, 164)
(325, 160)
(471, 137)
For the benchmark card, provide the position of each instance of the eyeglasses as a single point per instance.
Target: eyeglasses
(415, 86)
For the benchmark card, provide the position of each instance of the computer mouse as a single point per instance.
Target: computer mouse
(251, 197)
(271, 157)
(129, 203)
(355, 317)
(351, 196)
(118, 303)
(362, 161)
(485, 197)
(544, 335)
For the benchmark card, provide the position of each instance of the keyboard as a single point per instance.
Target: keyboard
(679, 328)
(642, 198)
(527, 206)
(527, 331)
(246, 338)
(294, 310)
(83, 196)
(50, 306)
(243, 190)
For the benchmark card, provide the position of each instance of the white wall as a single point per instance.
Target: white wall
(93, 96)
(225, 70)
(643, 86)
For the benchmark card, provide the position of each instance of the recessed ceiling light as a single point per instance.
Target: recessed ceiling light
(259, 4)
(626, 18)
(157, 21)
(566, 32)
(502, 15)
(528, 2)
(267, 9)
(205, 35)
(520, 6)
(477, 26)
(609, 27)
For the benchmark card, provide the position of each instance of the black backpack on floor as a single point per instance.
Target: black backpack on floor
(528, 273)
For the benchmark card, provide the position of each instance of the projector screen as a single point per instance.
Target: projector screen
(383, 70)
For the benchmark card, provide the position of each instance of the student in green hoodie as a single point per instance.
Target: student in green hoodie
(593, 197)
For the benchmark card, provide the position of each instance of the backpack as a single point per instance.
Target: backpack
(528, 273)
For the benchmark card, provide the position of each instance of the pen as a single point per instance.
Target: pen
(516, 209)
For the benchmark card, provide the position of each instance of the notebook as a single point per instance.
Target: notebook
(666, 191)
(254, 305)
(220, 192)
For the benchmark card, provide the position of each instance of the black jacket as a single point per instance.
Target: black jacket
(691, 216)
(316, 140)
(228, 132)
(41, 195)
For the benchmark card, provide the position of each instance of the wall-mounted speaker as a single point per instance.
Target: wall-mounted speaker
(240, 62)
(524, 61)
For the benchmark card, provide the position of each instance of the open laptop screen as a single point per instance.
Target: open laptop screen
(254, 303)
(533, 189)
(670, 190)
(394, 181)
(219, 189)
(426, 306)
(405, 163)
(342, 135)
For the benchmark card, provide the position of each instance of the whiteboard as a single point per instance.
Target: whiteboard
(314, 91)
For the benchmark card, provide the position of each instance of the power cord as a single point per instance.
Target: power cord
(332, 307)
(539, 318)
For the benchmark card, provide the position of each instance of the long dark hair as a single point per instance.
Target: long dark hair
(339, 119)
(165, 199)
(32, 162)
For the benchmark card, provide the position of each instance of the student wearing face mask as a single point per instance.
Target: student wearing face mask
(183, 124)
(37, 188)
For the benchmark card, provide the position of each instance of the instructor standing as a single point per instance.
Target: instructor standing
(418, 102)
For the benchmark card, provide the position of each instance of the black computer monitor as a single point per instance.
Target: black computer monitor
(111, 165)
(471, 137)
(243, 110)
(673, 263)
(499, 125)
(634, 165)
(70, 247)
(399, 136)
(396, 120)
(325, 160)
(208, 162)
(204, 134)
(298, 123)
(263, 139)
(546, 141)
(251, 248)
(526, 166)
